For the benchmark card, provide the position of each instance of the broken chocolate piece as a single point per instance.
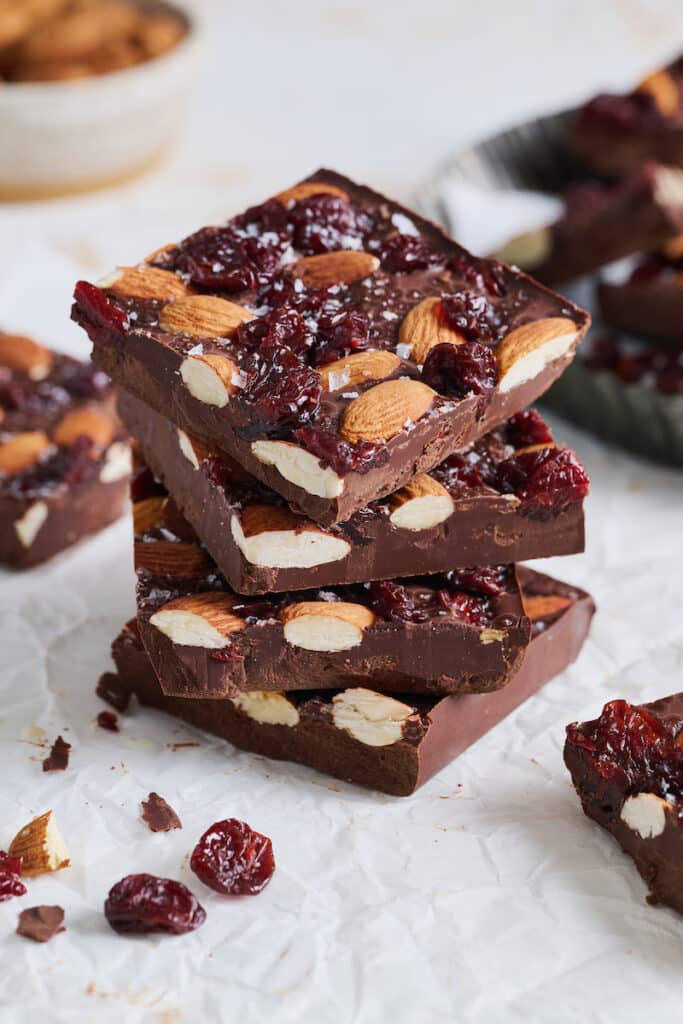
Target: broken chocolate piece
(111, 689)
(158, 815)
(58, 758)
(41, 923)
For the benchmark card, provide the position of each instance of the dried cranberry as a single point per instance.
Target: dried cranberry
(99, 310)
(267, 218)
(224, 258)
(471, 608)
(489, 580)
(108, 720)
(231, 858)
(83, 380)
(340, 455)
(339, 334)
(461, 370)
(228, 653)
(548, 479)
(471, 315)
(483, 274)
(284, 391)
(404, 253)
(527, 428)
(279, 327)
(144, 903)
(10, 877)
(393, 601)
(323, 223)
(637, 108)
(285, 290)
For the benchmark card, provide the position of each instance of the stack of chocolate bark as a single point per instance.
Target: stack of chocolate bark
(337, 478)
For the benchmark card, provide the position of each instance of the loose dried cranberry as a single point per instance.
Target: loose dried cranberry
(471, 315)
(231, 858)
(108, 720)
(339, 334)
(284, 391)
(461, 370)
(10, 877)
(323, 223)
(393, 601)
(144, 903)
(489, 580)
(469, 607)
(404, 253)
(527, 428)
(483, 274)
(340, 455)
(279, 327)
(224, 258)
(544, 480)
(100, 311)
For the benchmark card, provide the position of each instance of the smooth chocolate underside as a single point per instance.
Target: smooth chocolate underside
(654, 310)
(485, 527)
(437, 732)
(146, 361)
(659, 859)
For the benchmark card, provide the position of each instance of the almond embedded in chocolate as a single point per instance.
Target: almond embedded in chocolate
(158, 815)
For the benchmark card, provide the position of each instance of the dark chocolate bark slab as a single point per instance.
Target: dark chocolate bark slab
(602, 224)
(650, 301)
(462, 631)
(627, 768)
(480, 507)
(333, 343)
(615, 133)
(390, 743)
(64, 457)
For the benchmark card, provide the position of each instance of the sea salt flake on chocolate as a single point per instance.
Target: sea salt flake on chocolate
(40, 923)
(58, 758)
(158, 815)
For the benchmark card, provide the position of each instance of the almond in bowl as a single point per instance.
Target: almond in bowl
(91, 91)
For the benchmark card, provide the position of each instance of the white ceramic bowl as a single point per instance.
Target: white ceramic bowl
(60, 137)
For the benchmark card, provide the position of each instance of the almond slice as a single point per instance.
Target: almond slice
(25, 356)
(169, 558)
(198, 620)
(203, 316)
(31, 522)
(371, 718)
(194, 450)
(421, 505)
(542, 606)
(361, 368)
(527, 350)
(20, 451)
(307, 189)
(144, 282)
(346, 266)
(423, 328)
(84, 422)
(278, 539)
(662, 86)
(117, 463)
(325, 625)
(267, 708)
(40, 846)
(148, 513)
(211, 379)
(385, 409)
(299, 467)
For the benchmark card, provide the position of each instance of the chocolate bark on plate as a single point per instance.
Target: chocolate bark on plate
(461, 631)
(64, 457)
(513, 495)
(627, 768)
(391, 743)
(333, 343)
(614, 134)
(602, 224)
(649, 302)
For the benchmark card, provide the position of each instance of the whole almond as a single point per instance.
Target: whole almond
(84, 422)
(420, 486)
(346, 266)
(665, 92)
(421, 504)
(203, 316)
(145, 282)
(215, 607)
(307, 189)
(25, 356)
(385, 409)
(542, 606)
(526, 339)
(360, 368)
(169, 558)
(20, 451)
(423, 327)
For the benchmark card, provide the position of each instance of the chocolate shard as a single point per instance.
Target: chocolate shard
(58, 758)
(111, 688)
(41, 923)
(158, 815)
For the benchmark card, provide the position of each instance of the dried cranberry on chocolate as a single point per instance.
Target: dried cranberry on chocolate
(544, 480)
(457, 371)
(483, 274)
(403, 253)
(394, 602)
(471, 315)
(527, 428)
(340, 333)
(279, 327)
(340, 455)
(225, 258)
(284, 392)
(324, 223)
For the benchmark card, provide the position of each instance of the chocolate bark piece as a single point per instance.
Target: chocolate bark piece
(616, 133)
(58, 758)
(64, 457)
(464, 513)
(602, 224)
(461, 631)
(41, 923)
(391, 743)
(158, 815)
(627, 768)
(650, 301)
(297, 339)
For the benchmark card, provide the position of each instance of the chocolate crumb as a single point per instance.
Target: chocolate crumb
(113, 690)
(108, 720)
(40, 923)
(158, 815)
(58, 758)
(182, 746)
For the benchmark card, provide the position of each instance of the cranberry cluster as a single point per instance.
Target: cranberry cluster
(465, 594)
(10, 877)
(660, 368)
